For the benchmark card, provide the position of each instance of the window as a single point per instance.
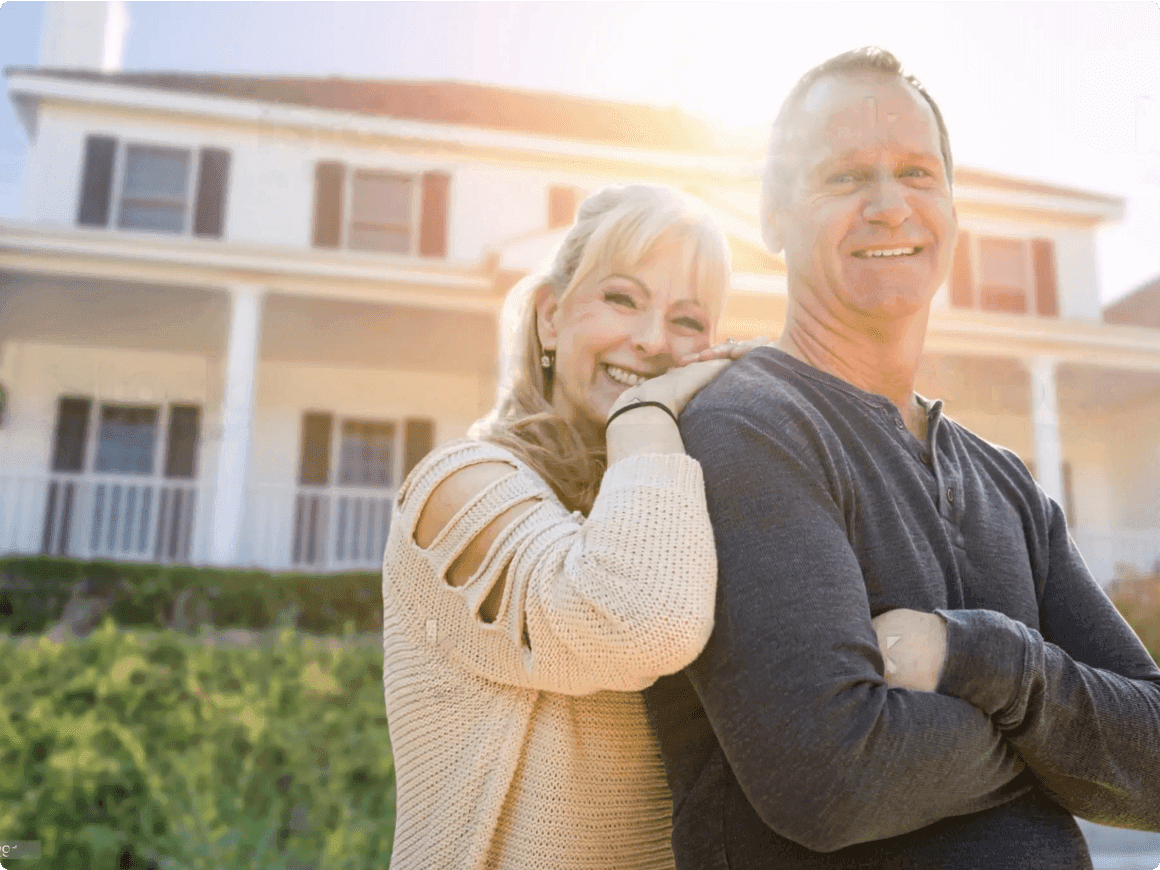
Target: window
(135, 513)
(335, 523)
(379, 210)
(1013, 276)
(371, 452)
(161, 189)
(562, 204)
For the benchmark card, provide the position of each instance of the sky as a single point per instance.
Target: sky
(1066, 93)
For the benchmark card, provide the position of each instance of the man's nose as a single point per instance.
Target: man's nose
(887, 203)
(650, 337)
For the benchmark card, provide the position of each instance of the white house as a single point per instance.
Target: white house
(236, 310)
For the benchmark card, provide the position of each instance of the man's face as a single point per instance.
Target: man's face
(868, 226)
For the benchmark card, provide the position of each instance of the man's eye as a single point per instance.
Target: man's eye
(916, 172)
(842, 178)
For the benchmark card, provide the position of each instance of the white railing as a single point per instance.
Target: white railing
(317, 528)
(1108, 552)
(92, 516)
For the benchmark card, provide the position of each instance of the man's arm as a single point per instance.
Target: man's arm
(1082, 703)
(792, 679)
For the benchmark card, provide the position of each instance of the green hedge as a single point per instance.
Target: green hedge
(35, 591)
(150, 750)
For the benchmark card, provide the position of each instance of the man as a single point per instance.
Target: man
(802, 737)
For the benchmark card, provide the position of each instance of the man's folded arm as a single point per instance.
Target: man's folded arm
(1082, 707)
(791, 679)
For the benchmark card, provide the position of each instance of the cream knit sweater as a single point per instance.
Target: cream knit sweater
(523, 744)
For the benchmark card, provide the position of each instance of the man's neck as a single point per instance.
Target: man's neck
(876, 356)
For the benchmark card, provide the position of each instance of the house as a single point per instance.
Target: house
(235, 311)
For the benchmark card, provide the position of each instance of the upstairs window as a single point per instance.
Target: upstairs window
(154, 188)
(379, 210)
(562, 204)
(1013, 276)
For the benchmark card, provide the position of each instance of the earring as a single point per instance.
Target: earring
(547, 360)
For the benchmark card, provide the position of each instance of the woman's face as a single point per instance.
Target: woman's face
(621, 326)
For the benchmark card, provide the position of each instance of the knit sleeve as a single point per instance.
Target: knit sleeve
(611, 601)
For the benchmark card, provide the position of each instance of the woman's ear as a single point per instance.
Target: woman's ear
(547, 309)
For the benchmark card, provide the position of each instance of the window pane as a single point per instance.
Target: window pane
(368, 451)
(156, 173)
(126, 439)
(392, 241)
(154, 189)
(381, 198)
(1003, 261)
(161, 218)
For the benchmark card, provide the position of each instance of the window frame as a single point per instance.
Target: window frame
(1031, 289)
(194, 154)
(346, 225)
(120, 168)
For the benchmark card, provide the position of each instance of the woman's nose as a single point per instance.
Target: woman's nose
(651, 337)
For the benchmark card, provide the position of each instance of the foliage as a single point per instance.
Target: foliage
(34, 591)
(152, 750)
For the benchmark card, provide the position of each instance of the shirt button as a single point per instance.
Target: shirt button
(898, 422)
(951, 494)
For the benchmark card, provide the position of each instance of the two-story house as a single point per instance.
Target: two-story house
(235, 311)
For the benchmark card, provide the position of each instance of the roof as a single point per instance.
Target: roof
(469, 104)
(1141, 307)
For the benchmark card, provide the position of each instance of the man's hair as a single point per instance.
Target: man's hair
(780, 164)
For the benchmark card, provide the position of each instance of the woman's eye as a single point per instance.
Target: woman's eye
(691, 323)
(618, 298)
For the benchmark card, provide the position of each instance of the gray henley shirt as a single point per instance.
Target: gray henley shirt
(783, 744)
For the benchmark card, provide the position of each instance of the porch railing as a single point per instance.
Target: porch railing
(1108, 552)
(308, 528)
(87, 516)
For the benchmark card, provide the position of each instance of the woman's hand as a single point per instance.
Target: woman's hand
(679, 384)
(914, 647)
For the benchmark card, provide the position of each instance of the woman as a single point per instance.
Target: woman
(528, 593)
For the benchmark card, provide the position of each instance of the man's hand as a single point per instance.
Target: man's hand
(914, 646)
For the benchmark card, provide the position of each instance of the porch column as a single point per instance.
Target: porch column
(237, 416)
(1045, 426)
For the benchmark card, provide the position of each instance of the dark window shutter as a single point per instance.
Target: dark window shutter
(212, 180)
(181, 448)
(962, 285)
(328, 182)
(72, 428)
(1043, 260)
(418, 439)
(562, 202)
(316, 449)
(433, 218)
(97, 181)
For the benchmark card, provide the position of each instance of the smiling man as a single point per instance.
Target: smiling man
(911, 667)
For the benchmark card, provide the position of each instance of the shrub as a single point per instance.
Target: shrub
(148, 749)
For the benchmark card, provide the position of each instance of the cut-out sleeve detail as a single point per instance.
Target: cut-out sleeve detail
(613, 601)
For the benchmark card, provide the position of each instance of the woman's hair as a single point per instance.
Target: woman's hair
(618, 225)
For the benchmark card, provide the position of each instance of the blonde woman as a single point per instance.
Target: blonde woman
(529, 594)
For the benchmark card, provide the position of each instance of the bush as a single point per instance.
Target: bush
(148, 749)
(34, 591)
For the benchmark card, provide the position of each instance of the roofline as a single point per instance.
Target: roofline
(29, 85)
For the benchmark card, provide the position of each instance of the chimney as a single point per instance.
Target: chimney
(84, 35)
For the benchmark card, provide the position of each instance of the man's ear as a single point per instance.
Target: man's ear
(547, 309)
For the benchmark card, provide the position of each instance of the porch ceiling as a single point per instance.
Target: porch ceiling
(103, 313)
(363, 334)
